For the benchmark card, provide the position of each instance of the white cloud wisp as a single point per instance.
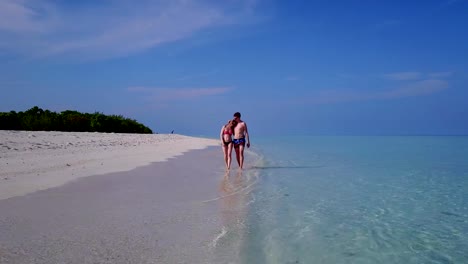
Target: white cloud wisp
(418, 88)
(101, 30)
(164, 95)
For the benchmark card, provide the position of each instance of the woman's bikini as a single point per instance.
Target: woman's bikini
(227, 132)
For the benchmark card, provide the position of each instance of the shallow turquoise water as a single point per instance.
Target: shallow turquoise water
(353, 200)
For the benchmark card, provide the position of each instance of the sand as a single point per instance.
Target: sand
(151, 214)
(119, 198)
(32, 161)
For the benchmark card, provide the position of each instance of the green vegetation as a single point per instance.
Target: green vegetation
(36, 119)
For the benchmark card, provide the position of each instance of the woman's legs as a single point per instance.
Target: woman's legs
(229, 154)
(226, 156)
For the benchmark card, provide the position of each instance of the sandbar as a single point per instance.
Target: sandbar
(37, 160)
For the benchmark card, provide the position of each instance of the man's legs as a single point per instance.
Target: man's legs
(241, 155)
(236, 148)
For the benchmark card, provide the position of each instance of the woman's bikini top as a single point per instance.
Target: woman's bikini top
(227, 132)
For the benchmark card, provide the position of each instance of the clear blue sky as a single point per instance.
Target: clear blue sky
(290, 67)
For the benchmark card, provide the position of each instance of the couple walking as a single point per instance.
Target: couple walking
(234, 135)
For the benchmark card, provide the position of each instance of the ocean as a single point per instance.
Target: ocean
(317, 199)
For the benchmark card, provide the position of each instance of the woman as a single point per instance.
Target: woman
(226, 141)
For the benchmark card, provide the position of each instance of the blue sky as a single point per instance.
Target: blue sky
(290, 67)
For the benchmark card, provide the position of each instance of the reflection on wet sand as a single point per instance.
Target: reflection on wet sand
(233, 197)
(233, 202)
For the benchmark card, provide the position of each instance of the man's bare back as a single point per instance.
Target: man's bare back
(241, 135)
(239, 130)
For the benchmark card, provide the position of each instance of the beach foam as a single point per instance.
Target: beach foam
(38, 160)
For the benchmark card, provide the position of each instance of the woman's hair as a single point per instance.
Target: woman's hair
(231, 124)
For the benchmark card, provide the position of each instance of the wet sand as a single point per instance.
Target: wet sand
(151, 214)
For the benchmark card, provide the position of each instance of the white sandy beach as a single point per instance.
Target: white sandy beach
(38, 160)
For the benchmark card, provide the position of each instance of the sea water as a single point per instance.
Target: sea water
(350, 199)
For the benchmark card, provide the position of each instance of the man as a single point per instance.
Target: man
(240, 135)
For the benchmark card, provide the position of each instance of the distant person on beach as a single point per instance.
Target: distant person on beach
(241, 137)
(226, 141)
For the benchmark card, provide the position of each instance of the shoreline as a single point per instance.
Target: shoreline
(153, 213)
(37, 160)
(179, 206)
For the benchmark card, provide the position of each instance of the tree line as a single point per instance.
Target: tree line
(37, 119)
